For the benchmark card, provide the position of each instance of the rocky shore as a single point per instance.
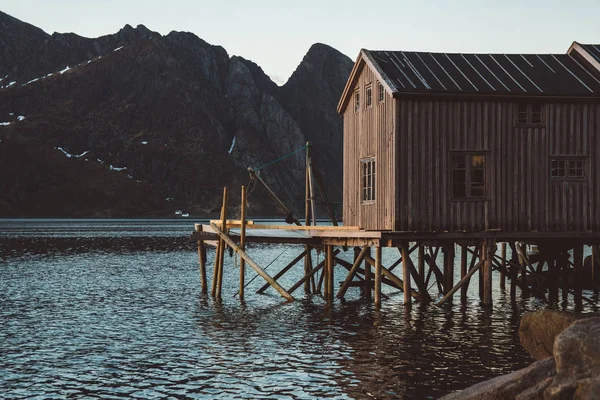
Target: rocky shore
(567, 347)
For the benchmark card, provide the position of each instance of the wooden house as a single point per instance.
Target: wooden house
(437, 142)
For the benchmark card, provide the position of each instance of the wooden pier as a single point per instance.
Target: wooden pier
(558, 266)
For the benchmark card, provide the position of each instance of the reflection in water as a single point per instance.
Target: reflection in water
(113, 309)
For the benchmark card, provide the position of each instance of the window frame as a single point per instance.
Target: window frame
(570, 164)
(380, 93)
(468, 159)
(356, 100)
(529, 110)
(368, 96)
(368, 180)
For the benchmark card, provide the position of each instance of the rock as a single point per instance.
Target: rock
(538, 330)
(577, 354)
(509, 386)
(573, 373)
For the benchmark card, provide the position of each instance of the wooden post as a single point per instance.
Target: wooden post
(222, 252)
(448, 267)
(406, 275)
(289, 214)
(251, 262)
(202, 260)
(594, 271)
(488, 255)
(243, 242)
(307, 259)
(330, 273)
(378, 276)
(421, 261)
(463, 273)
(215, 280)
(503, 257)
(367, 290)
(577, 267)
(523, 264)
(513, 272)
(310, 182)
(481, 275)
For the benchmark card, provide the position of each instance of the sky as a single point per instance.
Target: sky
(276, 34)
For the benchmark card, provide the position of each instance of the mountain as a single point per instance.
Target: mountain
(161, 123)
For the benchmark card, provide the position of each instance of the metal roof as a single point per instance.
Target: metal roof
(516, 74)
(593, 49)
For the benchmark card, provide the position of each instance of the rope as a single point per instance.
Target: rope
(257, 275)
(280, 158)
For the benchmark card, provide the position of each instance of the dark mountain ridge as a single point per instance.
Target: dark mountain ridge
(182, 116)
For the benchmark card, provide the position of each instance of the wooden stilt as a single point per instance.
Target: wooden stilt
(243, 242)
(357, 260)
(377, 276)
(406, 275)
(595, 272)
(202, 260)
(577, 267)
(481, 278)
(553, 281)
(222, 252)
(523, 264)
(330, 274)
(503, 257)
(421, 261)
(463, 273)
(251, 262)
(367, 289)
(310, 183)
(394, 280)
(488, 254)
(448, 251)
(513, 271)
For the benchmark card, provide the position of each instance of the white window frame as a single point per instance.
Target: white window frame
(367, 180)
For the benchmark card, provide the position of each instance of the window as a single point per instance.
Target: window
(380, 92)
(468, 176)
(529, 114)
(356, 101)
(567, 168)
(367, 167)
(368, 97)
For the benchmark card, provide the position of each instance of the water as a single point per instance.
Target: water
(113, 309)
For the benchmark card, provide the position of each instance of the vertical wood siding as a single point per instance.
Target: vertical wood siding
(520, 194)
(370, 132)
(412, 142)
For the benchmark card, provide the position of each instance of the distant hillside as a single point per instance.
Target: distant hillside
(163, 123)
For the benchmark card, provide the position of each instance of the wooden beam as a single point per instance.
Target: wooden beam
(283, 271)
(461, 283)
(308, 257)
(330, 273)
(352, 272)
(368, 287)
(448, 251)
(202, 261)
(253, 264)
(406, 275)
(419, 280)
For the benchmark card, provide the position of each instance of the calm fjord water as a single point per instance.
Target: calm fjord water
(113, 309)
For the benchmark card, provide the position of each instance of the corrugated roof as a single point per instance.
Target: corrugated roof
(517, 74)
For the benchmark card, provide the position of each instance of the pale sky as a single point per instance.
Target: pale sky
(276, 34)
